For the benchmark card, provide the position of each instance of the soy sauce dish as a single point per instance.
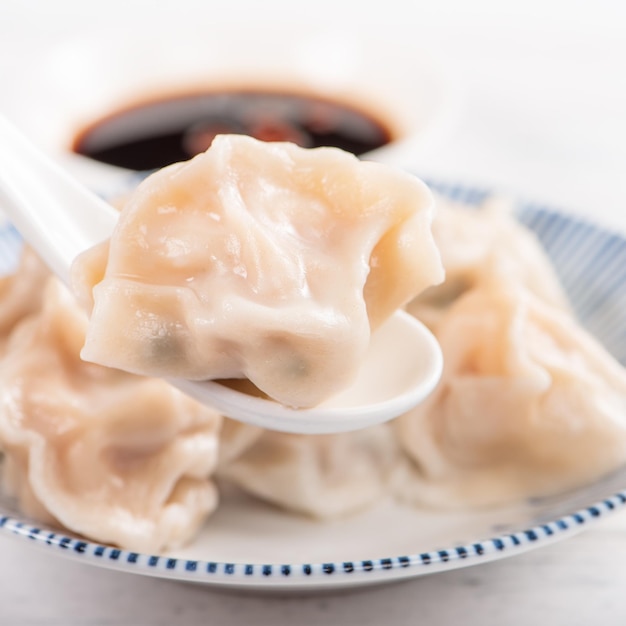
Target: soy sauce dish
(100, 103)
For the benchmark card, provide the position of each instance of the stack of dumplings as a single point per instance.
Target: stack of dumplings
(529, 405)
(115, 457)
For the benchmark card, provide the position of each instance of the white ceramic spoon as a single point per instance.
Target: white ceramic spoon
(60, 218)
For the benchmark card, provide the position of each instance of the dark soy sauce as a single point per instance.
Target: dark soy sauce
(160, 132)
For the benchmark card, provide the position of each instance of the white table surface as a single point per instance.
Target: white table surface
(544, 115)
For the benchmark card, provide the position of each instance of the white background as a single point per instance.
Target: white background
(544, 86)
(543, 115)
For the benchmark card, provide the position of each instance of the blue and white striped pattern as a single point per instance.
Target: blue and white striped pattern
(315, 574)
(591, 262)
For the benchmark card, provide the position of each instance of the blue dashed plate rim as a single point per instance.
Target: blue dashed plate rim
(364, 571)
(321, 574)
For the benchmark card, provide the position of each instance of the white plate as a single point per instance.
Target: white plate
(248, 544)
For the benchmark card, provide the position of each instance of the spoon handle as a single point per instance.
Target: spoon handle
(56, 215)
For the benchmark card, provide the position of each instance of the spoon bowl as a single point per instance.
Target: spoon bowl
(60, 218)
(402, 366)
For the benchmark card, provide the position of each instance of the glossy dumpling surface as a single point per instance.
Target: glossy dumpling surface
(21, 292)
(258, 260)
(324, 476)
(478, 244)
(118, 458)
(529, 404)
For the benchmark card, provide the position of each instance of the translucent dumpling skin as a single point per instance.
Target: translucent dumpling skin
(479, 244)
(115, 457)
(529, 404)
(323, 476)
(21, 292)
(258, 260)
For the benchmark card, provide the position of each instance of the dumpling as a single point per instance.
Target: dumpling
(21, 292)
(115, 457)
(529, 405)
(478, 243)
(235, 438)
(256, 260)
(323, 476)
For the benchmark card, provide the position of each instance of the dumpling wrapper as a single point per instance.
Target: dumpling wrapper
(115, 457)
(235, 438)
(323, 476)
(529, 405)
(256, 260)
(478, 244)
(21, 292)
